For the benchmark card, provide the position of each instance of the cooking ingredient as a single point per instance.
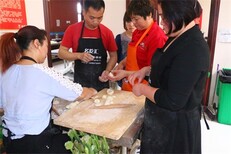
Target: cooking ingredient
(109, 100)
(98, 102)
(86, 143)
(110, 91)
(71, 105)
(106, 100)
(104, 96)
(111, 74)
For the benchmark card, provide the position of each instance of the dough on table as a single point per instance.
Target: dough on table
(111, 74)
(71, 105)
(110, 91)
(98, 102)
(105, 100)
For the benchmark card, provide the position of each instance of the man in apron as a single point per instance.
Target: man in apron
(90, 42)
(147, 37)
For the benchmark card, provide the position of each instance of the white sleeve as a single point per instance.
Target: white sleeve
(59, 85)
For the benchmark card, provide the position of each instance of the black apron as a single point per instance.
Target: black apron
(87, 74)
(166, 131)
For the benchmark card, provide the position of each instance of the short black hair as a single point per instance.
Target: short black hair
(95, 4)
(178, 12)
(126, 18)
(142, 8)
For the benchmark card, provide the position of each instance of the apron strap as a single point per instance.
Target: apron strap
(145, 33)
(131, 62)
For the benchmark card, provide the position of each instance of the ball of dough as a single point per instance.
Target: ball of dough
(110, 91)
(111, 75)
(96, 101)
(109, 100)
(104, 96)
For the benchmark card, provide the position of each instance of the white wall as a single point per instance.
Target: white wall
(113, 16)
(35, 13)
(222, 55)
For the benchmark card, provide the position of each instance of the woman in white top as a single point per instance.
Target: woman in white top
(27, 91)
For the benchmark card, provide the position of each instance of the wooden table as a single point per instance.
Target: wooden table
(121, 129)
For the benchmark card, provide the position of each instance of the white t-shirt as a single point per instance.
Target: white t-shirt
(26, 95)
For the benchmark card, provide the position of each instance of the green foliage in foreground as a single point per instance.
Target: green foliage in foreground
(84, 143)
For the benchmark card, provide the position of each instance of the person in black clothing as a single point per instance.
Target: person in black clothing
(177, 78)
(93, 47)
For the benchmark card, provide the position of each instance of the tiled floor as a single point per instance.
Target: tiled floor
(216, 140)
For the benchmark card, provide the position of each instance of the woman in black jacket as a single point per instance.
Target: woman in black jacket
(177, 78)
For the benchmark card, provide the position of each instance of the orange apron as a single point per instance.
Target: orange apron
(131, 61)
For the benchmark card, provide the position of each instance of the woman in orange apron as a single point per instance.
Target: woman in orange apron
(131, 61)
(147, 37)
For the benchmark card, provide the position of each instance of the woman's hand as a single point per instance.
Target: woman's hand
(120, 66)
(137, 77)
(104, 76)
(87, 94)
(137, 89)
(144, 89)
(118, 75)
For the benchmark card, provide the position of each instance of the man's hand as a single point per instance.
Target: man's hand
(104, 76)
(85, 57)
(118, 75)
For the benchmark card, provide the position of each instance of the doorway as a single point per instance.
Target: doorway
(58, 15)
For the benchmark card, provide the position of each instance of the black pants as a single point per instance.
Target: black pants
(51, 140)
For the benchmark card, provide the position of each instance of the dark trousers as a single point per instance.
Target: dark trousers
(51, 140)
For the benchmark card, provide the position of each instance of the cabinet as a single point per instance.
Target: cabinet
(62, 13)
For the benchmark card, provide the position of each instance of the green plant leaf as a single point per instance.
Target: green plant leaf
(84, 143)
(69, 145)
